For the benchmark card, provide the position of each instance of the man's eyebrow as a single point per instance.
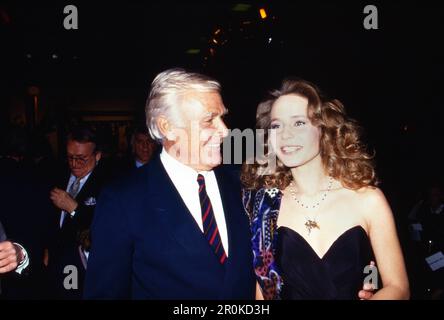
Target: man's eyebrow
(215, 114)
(76, 155)
(207, 115)
(224, 113)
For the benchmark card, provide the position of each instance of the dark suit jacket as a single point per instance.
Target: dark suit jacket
(25, 215)
(147, 245)
(127, 164)
(65, 245)
(123, 167)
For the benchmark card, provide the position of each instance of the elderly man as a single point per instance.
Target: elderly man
(175, 228)
(74, 200)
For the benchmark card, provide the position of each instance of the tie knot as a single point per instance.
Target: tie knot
(200, 180)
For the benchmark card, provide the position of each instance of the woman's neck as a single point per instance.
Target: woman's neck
(310, 178)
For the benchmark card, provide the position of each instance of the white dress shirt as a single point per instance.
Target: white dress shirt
(72, 178)
(25, 262)
(138, 163)
(22, 264)
(185, 180)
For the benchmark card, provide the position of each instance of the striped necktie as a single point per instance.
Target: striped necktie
(211, 231)
(74, 189)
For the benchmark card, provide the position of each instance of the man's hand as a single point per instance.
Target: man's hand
(10, 256)
(367, 289)
(62, 200)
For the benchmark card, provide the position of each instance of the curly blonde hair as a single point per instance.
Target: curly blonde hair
(343, 155)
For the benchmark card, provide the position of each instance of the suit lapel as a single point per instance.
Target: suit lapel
(168, 205)
(230, 202)
(86, 189)
(227, 203)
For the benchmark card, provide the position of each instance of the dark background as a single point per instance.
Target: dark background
(389, 79)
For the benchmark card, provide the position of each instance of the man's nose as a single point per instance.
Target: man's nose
(74, 164)
(222, 129)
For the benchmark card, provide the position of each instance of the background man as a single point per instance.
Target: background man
(75, 201)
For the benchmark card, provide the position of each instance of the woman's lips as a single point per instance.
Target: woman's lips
(290, 149)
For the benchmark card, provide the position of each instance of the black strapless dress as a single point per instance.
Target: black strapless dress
(339, 274)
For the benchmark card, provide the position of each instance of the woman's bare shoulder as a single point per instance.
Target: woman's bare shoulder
(372, 203)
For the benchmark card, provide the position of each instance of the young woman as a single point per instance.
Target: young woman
(317, 218)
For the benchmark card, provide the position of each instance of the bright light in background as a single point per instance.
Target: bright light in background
(263, 13)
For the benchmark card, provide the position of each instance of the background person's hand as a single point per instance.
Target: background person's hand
(62, 200)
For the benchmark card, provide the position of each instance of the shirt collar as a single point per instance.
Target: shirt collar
(138, 163)
(174, 164)
(82, 180)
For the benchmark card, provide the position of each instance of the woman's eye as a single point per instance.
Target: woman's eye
(299, 123)
(275, 126)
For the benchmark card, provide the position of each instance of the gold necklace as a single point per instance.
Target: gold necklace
(311, 223)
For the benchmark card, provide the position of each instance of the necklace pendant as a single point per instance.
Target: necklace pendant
(311, 224)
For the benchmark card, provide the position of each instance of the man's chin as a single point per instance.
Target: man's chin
(211, 163)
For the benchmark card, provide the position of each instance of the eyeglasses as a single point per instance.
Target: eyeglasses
(79, 160)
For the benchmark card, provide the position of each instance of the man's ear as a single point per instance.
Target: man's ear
(98, 156)
(165, 128)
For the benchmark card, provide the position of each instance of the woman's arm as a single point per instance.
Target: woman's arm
(385, 244)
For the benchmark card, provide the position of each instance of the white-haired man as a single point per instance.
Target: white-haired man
(175, 228)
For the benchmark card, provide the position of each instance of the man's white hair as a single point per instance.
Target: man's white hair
(165, 92)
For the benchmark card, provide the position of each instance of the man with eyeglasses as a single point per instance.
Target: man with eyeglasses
(75, 201)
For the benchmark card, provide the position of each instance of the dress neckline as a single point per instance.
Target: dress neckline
(331, 247)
